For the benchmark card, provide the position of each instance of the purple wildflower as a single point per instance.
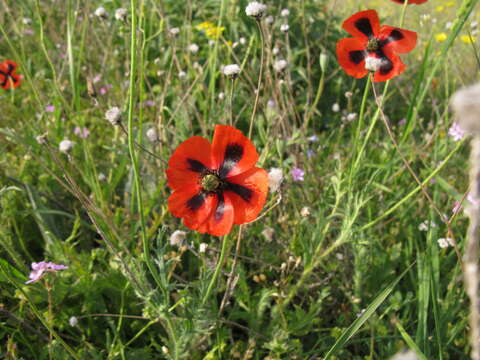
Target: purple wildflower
(456, 132)
(50, 108)
(313, 138)
(310, 153)
(473, 200)
(38, 269)
(402, 122)
(82, 132)
(149, 103)
(298, 174)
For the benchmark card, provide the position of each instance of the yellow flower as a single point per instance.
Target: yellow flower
(440, 37)
(211, 30)
(440, 8)
(450, 3)
(467, 39)
(204, 25)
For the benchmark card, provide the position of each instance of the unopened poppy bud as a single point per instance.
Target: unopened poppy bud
(323, 61)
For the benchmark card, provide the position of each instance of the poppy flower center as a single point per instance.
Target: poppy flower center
(373, 45)
(211, 182)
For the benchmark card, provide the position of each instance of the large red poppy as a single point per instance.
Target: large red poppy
(411, 1)
(216, 185)
(8, 78)
(372, 41)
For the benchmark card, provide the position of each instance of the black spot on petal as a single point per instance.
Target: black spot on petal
(356, 56)
(220, 210)
(195, 165)
(233, 155)
(363, 25)
(387, 64)
(242, 191)
(395, 35)
(196, 202)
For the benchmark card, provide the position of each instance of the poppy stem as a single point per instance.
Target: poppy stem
(404, 11)
(231, 100)
(218, 269)
(259, 83)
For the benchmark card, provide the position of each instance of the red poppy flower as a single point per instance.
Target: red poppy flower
(216, 185)
(8, 78)
(411, 1)
(373, 44)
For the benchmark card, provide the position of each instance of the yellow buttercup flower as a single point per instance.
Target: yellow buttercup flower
(467, 39)
(440, 37)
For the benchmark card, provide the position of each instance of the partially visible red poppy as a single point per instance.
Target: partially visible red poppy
(8, 78)
(216, 185)
(373, 44)
(410, 1)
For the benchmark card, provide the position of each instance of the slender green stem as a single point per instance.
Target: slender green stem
(231, 100)
(321, 86)
(259, 83)
(218, 269)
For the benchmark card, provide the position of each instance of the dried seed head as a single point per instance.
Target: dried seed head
(275, 178)
(121, 14)
(113, 115)
(177, 238)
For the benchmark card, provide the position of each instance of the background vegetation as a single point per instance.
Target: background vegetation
(362, 276)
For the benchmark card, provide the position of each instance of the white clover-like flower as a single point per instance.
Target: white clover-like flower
(256, 9)
(113, 115)
(280, 65)
(242, 41)
(305, 212)
(73, 321)
(65, 146)
(445, 242)
(221, 96)
(335, 107)
(351, 116)
(270, 19)
(284, 28)
(275, 178)
(101, 12)
(193, 48)
(152, 135)
(26, 21)
(285, 13)
(41, 139)
(102, 177)
(373, 63)
(203, 248)
(275, 51)
(182, 74)
(231, 70)
(174, 31)
(121, 14)
(177, 238)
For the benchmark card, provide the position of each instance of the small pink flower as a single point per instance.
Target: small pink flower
(50, 108)
(457, 205)
(38, 269)
(473, 200)
(82, 132)
(456, 132)
(298, 174)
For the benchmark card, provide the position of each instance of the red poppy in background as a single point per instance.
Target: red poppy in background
(373, 47)
(411, 1)
(8, 78)
(216, 185)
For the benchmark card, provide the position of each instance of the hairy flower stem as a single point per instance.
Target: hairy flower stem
(260, 75)
(470, 266)
(218, 269)
(231, 100)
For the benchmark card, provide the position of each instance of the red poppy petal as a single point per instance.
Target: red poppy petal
(191, 205)
(393, 66)
(232, 152)
(399, 40)
(351, 56)
(248, 192)
(188, 162)
(9, 78)
(411, 1)
(220, 221)
(363, 24)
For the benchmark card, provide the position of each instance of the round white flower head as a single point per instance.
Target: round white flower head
(373, 63)
(203, 248)
(41, 139)
(121, 14)
(405, 355)
(231, 70)
(275, 50)
(268, 233)
(256, 9)
(221, 96)
(101, 12)
(335, 107)
(193, 48)
(73, 321)
(174, 31)
(102, 177)
(275, 178)
(270, 19)
(280, 65)
(177, 238)
(152, 135)
(305, 212)
(113, 115)
(242, 41)
(285, 13)
(65, 146)
(351, 116)
(26, 21)
(284, 28)
(182, 74)
(466, 105)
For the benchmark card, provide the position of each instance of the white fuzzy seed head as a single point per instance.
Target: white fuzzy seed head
(203, 248)
(256, 9)
(275, 178)
(351, 116)
(121, 14)
(73, 321)
(335, 107)
(101, 12)
(280, 65)
(113, 115)
(193, 48)
(177, 238)
(182, 74)
(221, 96)
(65, 146)
(373, 63)
(466, 105)
(284, 28)
(285, 13)
(152, 135)
(242, 41)
(231, 70)
(174, 31)
(305, 212)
